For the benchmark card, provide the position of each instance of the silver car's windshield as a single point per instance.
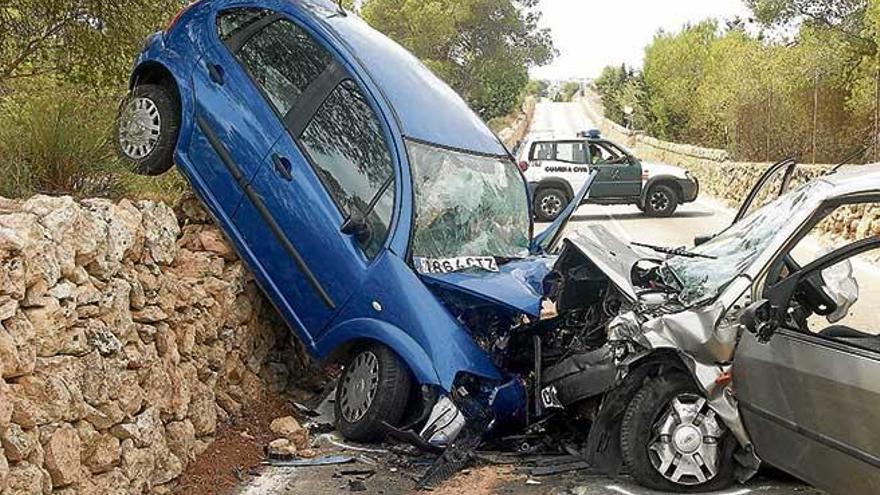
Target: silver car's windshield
(467, 205)
(736, 248)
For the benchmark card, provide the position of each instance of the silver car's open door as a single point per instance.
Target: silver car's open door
(810, 399)
(774, 182)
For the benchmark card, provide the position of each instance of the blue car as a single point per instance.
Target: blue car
(387, 224)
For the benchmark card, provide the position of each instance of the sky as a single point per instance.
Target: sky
(591, 34)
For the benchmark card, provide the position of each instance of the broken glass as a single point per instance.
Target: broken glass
(467, 205)
(736, 248)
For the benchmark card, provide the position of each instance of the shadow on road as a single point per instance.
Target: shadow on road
(639, 216)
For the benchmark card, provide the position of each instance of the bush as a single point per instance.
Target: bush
(58, 140)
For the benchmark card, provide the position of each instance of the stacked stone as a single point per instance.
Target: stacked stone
(125, 336)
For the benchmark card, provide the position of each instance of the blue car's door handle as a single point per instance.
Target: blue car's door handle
(215, 72)
(283, 167)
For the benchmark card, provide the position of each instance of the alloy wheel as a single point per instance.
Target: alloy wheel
(359, 386)
(686, 441)
(139, 128)
(551, 205)
(659, 200)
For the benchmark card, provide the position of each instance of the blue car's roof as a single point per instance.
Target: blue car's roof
(426, 108)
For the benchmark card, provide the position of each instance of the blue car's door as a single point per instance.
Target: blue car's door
(331, 162)
(225, 113)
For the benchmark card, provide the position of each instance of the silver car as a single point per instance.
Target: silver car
(753, 346)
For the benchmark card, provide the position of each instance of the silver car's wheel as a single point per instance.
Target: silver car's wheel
(687, 438)
(672, 441)
(140, 125)
(359, 387)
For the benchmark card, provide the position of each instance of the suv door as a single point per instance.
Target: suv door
(331, 163)
(224, 113)
(620, 175)
(810, 399)
(571, 162)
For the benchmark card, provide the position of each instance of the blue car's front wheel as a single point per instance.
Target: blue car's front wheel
(374, 387)
(147, 128)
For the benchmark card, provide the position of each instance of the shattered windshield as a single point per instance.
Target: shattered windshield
(467, 205)
(736, 248)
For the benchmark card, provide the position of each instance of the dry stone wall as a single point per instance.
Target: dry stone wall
(127, 332)
(512, 135)
(727, 180)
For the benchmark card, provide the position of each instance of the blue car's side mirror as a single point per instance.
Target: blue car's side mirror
(358, 227)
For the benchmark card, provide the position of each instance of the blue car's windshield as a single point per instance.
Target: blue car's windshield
(467, 205)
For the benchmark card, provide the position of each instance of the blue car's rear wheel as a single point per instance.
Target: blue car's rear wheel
(147, 128)
(374, 387)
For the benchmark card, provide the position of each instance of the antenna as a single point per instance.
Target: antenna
(858, 153)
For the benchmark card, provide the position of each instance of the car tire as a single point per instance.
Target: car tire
(147, 128)
(549, 203)
(653, 455)
(661, 201)
(374, 388)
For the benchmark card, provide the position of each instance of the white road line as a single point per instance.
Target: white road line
(624, 491)
(615, 488)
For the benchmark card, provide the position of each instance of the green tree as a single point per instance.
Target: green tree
(482, 48)
(538, 88)
(88, 41)
(568, 91)
(673, 71)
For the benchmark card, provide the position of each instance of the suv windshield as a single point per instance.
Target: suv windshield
(467, 205)
(736, 248)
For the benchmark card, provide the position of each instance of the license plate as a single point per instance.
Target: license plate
(549, 399)
(450, 265)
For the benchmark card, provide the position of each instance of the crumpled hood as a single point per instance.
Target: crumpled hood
(653, 169)
(517, 286)
(610, 255)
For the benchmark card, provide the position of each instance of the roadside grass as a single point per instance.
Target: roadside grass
(57, 139)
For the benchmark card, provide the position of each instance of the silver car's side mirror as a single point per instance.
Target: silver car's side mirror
(759, 318)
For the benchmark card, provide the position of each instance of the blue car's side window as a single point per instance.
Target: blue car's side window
(345, 144)
(280, 56)
(232, 22)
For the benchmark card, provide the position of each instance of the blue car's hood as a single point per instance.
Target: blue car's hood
(517, 286)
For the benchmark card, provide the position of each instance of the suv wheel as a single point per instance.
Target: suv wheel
(661, 201)
(146, 129)
(549, 203)
(373, 388)
(672, 441)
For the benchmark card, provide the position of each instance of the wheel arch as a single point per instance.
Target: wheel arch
(158, 66)
(662, 180)
(362, 331)
(154, 72)
(554, 183)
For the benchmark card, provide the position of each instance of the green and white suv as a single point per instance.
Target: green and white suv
(556, 168)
